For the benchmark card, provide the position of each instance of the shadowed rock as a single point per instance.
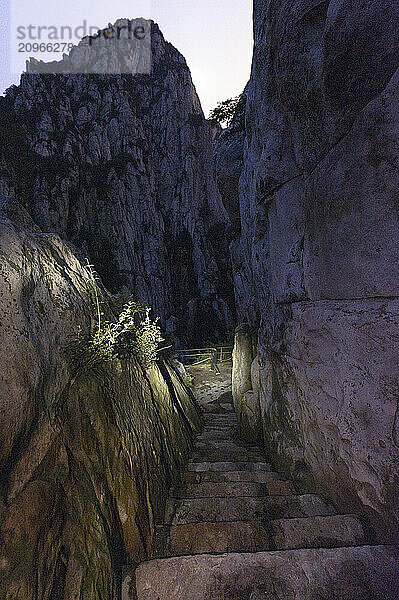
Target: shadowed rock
(315, 264)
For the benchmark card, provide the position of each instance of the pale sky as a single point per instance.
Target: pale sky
(215, 36)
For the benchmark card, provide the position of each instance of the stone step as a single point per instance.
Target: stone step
(222, 489)
(219, 422)
(239, 476)
(196, 510)
(228, 466)
(230, 424)
(223, 403)
(216, 445)
(206, 440)
(227, 406)
(214, 457)
(217, 409)
(201, 538)
(226, 418)
(217, 436)
(219, 426)
(318, 532)
(225, 448)
(231, 413)
(217, 433)
(363, 573)
(222, 433)
(239, 455)
(335, 531)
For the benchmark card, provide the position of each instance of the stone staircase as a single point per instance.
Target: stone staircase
(236, 530)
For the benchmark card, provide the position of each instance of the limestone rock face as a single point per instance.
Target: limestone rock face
(228, 161)
(316, 264)
(121, 166)
(246, 385)
(87, 455)
(242, 361)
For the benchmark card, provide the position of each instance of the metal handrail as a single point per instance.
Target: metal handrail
(224, 354)
(191, 350)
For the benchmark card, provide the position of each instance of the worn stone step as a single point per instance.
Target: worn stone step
(205, 440)
(199, 538)
(181, 512)
(217, 409)
(221, 457)
(231, 413)
(227, 406)
(236, 489)
(228, 466)
(239, 455)
(218, 433)
(239, 476)
(220, 427)
(227, 418)
(221, 403)
(209, 489)
(363, 573)
(225, 421)
(217, 445)
(228, 448)
(225, 447)
(222, 433)
(231, 425)
(318, 532)
(217, 436)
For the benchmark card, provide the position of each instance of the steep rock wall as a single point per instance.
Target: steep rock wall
(316, 261)
(121, 166)
(86, 456)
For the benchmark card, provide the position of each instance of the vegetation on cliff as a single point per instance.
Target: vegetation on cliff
(132, 335)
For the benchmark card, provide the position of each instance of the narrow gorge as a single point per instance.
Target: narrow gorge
(132, 228)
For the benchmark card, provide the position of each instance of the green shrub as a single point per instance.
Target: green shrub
(134, 334)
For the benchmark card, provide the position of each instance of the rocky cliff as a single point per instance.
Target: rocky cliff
(316, 254)
(121, 166)
(87, 455)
